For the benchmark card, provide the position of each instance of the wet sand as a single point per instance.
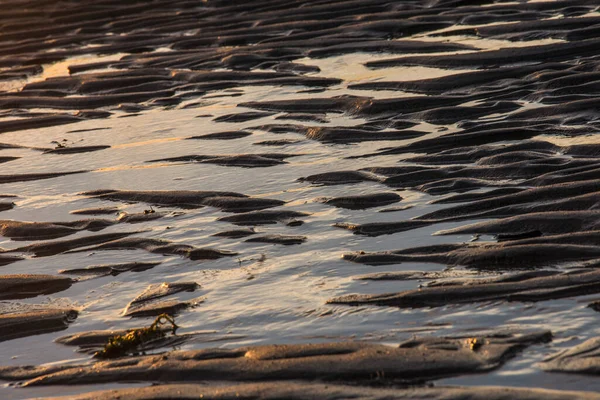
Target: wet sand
(397, 196)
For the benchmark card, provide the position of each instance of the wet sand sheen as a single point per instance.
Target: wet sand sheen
(200, 160)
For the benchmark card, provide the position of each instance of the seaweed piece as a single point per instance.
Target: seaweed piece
(121, 345)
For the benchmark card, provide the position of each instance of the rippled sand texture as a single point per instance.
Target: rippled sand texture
(367, 199)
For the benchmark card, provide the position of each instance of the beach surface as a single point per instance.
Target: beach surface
(332, 199)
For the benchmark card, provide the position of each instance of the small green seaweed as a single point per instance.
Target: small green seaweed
(121, 345)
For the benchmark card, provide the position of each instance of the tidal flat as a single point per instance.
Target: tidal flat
(332, 199)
